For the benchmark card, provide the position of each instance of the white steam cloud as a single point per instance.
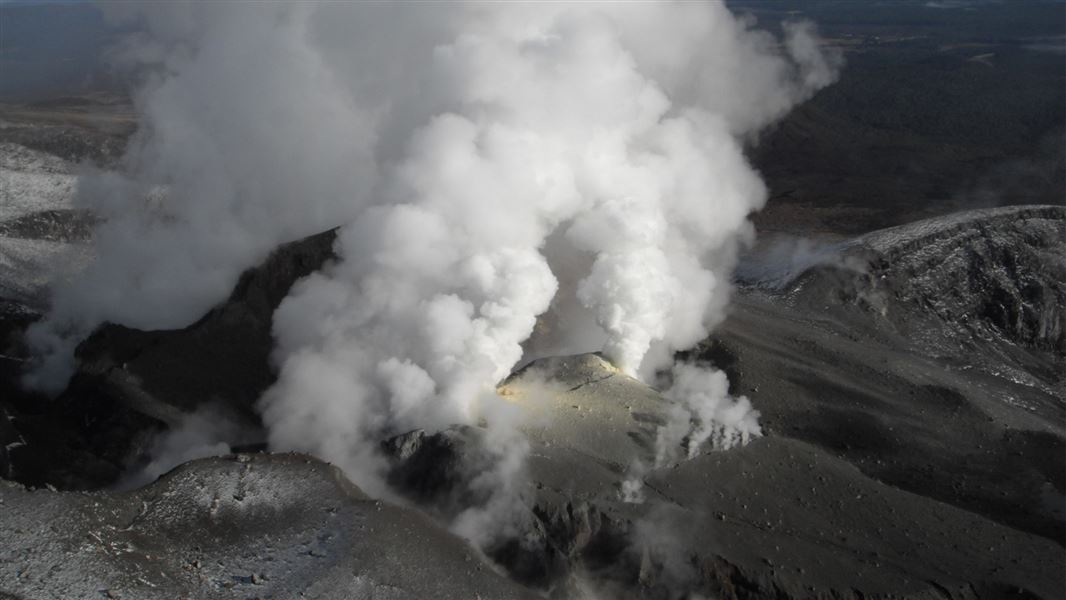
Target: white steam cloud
(491, 164)
(208, 431)
(702, 415)
(701, 397)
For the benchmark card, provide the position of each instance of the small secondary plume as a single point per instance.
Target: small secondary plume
(703, 416)
(509, 177)
(701, 396)
(208, 431)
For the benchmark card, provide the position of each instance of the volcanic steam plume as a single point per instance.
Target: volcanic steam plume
(510, 180)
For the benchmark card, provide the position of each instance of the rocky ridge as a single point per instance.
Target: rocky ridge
(263, 526)
(892, 465)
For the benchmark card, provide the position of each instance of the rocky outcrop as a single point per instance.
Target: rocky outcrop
(70, 133)
(132, 384)
(222, 358)
(996, 271)
(787, 516)
(884, 354)
(894, 464)
(260, 526)
(984, 289)
(56, 225)
(10, 440)
(435, 470)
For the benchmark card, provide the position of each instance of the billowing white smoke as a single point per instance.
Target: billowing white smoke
(491, 163)
(702, 416)
(701, 396)
(208, 431)
(247, 140)
(557, 119)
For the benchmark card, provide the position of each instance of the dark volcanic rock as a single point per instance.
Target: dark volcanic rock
(134, 384)
(907, 454)
(77, 447)
(10, 440)
(986, 284)
(997, 271)
(15, 317)
(85, 446)
(262, 526)
(914, 443)
(222, 358)
(439, 471)
(790, 515)
(72, 136)
(58, 225)
(890, 357)
(435, 470)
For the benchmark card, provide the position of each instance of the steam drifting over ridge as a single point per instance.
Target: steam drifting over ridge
(491, 164)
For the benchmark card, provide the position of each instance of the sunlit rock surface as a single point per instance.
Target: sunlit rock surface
(582, 404)
(260, 526)
(797, 513)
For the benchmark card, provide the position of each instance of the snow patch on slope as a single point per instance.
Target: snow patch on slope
(32, 181)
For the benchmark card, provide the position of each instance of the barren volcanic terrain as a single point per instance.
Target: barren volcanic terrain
(913, 446)
(891, 352)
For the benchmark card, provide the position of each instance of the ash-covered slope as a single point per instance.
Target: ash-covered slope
(985, 286)
(787, 516)
(997, 274)
(222, 358)
(132, 384)
(94, 127)
(909, 452)
(248, 526)
(998, 271)
(928, 355)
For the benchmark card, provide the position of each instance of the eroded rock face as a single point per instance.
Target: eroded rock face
(587, 425)
(9, 440)
(264, 526)
(786, 516)
(996, 271)
(224, 357)
(884, 356)
(71, 134)
(895, 463)
(133, 384)
(994, 278)
(435, 469)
